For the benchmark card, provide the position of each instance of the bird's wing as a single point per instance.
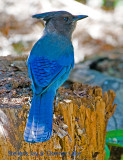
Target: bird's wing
(44, 72)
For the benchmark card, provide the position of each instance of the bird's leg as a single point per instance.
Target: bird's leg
(57, 98)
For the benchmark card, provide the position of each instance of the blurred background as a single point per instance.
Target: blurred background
(101, 32)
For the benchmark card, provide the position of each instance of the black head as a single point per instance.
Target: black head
(61, 22)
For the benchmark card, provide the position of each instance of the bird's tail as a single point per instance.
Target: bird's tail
(39, 123)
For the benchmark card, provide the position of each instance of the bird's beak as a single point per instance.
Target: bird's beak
(79, 17)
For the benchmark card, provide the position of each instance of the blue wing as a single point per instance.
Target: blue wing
(44, 72)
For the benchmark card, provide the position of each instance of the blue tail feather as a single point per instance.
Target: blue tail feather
(39, 123)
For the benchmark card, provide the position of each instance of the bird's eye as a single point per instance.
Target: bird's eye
(66, 19)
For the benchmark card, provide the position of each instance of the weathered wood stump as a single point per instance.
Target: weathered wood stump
(79, 127)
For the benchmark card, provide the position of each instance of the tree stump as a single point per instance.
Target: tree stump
(79, 127)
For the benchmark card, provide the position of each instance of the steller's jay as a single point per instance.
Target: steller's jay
(49, 64)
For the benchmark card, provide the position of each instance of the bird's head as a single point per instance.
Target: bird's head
(61, 22)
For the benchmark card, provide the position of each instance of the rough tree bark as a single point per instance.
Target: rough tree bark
(79, 127)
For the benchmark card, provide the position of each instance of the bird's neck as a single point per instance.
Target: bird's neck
(50, 29)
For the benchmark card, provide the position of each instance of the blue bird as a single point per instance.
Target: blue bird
(49, 64)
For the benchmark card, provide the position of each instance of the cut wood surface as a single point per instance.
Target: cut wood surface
(79, 127)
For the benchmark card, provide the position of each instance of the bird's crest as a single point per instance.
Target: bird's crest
(48, 15)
